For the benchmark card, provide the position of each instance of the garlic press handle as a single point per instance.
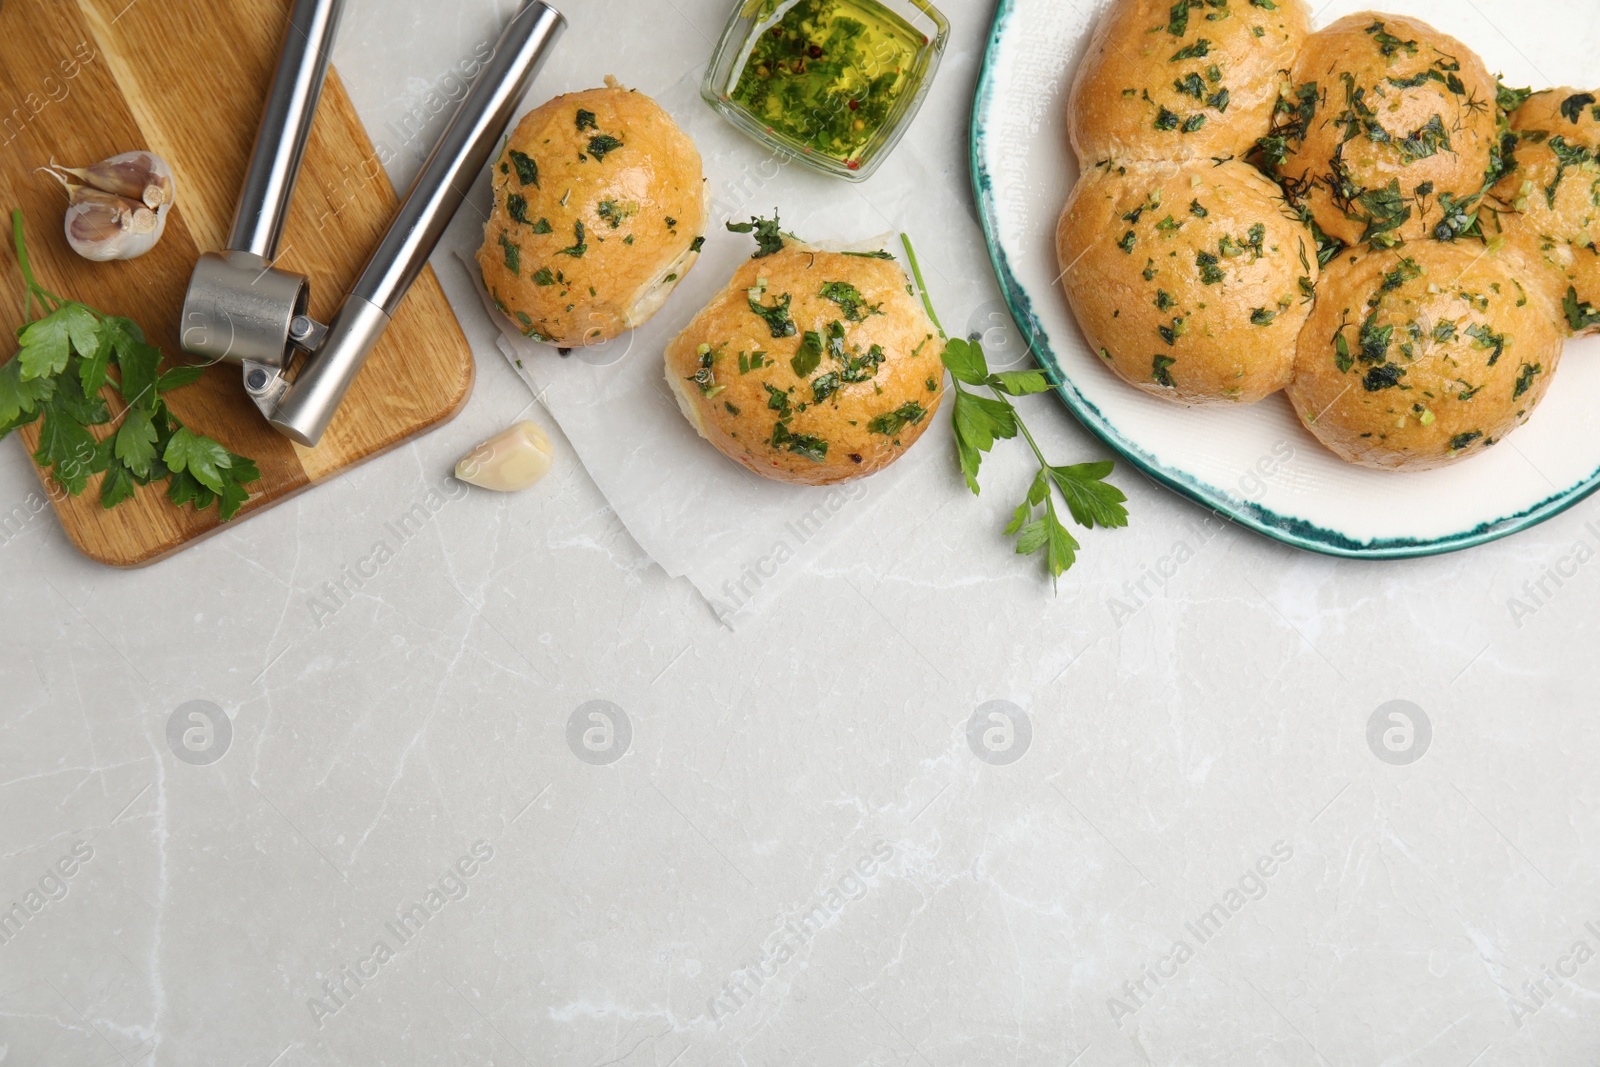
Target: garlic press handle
(285, 127)
(305, 408)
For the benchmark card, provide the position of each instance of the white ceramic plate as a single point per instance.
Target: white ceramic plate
(1257, 465)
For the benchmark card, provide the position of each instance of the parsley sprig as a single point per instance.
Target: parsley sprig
(980, 421)
(64, 359)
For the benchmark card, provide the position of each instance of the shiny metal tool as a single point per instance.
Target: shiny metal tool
(241, 308)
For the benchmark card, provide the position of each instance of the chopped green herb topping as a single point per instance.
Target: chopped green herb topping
(579, 247)
(603, 145)
(1388, 44)
(801, 444)
(1581, 315)
(1160, 372)
(769, 238)
(1572, 107)
(776, 316)
(1429, 139)
(1486, 339)
(1525, 379)
(513, 254)
(850, 301)
(1385, 377)
(809, 357)
(616, 214)
(527, 168)
(892, 422)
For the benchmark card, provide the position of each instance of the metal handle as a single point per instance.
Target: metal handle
(285, 127)
(465, 149)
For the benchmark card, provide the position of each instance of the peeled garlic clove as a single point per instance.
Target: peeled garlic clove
(510, 461)
(103, 226)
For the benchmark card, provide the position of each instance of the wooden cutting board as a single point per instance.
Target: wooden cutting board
(87, 79)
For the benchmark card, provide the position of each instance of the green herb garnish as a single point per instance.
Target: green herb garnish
(892, 422)
(776, 316)
(65, 358)
(527, 168)
(979, 421)
(580, 246)
(513, 254)
(769, 238)
(1581, 315)
(1572, 107)
(603, 145)
(809, 356)
(850, 301)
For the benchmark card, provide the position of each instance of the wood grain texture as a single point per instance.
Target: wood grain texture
(81, 80)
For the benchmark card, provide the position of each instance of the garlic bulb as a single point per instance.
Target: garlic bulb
(510, 461)
(117, 208)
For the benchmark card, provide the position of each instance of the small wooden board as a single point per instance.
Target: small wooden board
(186, 79)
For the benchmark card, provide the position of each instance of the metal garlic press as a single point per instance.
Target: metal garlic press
(241, 308)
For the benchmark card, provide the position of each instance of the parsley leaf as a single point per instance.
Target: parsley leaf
(136, 441)
(200, 456)
(980, 421)
(48, 343)
(64, 363)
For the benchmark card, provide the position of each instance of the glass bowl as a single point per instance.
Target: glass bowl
(831, 83)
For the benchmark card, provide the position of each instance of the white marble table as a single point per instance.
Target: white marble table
(790, 845)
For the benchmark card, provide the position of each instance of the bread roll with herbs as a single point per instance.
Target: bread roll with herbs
(1186, 80)
(1191, 280)
(1385, 132)
(811, 367)
(1418, 357)
(599, 211)
(1551, 155)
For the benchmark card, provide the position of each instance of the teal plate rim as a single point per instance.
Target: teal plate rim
(1283, 528)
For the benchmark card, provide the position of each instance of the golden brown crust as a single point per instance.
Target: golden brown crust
(1189, 279)
(1144, 91)
(1430, 138)
(738, 402)
(1554, 199)
(599, 199)
(1444, 353)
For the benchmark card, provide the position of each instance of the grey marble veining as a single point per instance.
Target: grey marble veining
(514, 797)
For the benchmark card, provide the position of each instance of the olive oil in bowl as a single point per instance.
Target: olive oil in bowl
(833, 83)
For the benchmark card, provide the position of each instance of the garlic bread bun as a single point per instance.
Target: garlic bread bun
(1384, 118)
(1420, 356)
(599, 211)
(1553, 192)
(811, 367)
(1190, 280)
(1186, 80)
